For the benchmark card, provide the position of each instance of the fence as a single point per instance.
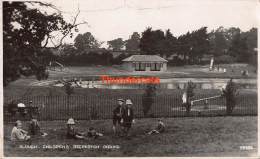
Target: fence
(101, 106)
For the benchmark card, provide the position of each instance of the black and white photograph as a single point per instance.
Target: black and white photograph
(130, 78)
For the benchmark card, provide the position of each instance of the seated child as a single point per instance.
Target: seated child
(93, 133)
(71, 132)
(159, 129)
(34, 128)
(18, 134)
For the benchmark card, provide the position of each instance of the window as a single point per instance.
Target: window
(155, 66)
(140, 67)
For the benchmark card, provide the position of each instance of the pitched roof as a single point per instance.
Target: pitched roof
(145, 58)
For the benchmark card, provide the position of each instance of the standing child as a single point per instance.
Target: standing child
(117, 115)
(128, 117)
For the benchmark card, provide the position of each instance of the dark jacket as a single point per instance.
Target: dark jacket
(117, 113)
(128, 115)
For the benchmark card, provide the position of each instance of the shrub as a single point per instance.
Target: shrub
(230, 93)
(148, 98)
(190, 93)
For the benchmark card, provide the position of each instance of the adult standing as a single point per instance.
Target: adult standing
(128, 117)
(117, 115)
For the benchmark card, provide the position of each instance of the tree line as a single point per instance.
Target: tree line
(226, 45)
(28, 31)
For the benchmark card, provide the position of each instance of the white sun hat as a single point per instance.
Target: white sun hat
(71, 121)
(20, 105)
(128, 101)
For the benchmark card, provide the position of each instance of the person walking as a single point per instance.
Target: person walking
(128, 117)
(117, 116)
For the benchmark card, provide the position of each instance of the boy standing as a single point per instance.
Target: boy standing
(117, 115)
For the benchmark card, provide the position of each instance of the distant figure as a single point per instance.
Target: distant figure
(160, 128)
(18, 134)
(117, 116)
(92, 133)
(71, 132)
(21, 109)
(128, 117)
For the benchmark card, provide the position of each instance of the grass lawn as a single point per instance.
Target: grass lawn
(218, 136)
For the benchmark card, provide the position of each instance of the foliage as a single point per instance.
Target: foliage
(26, 31)
(230, 93)
(116, 44)
(85, 43)
(133, 43)
(148, 98)
(151, 41)
(69, 89)
(190, 93)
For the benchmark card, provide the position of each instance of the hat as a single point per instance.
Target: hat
(71, 121)
(18, 122)
(128, 101)
(120, 99)
(20, 105)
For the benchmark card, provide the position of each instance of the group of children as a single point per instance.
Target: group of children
(123, 117)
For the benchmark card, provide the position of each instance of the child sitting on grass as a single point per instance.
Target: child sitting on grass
(160, 128)
(92, 133)
(34, 128)
(71, 131)
(18, 134)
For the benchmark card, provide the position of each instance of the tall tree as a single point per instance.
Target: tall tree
(26, 32)
(152, 42)
(133, 43)
(170, 43)
(200, 44)
(218, 41)
(116, 44)
(86, 42)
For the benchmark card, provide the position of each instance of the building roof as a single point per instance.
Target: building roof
(145, 58)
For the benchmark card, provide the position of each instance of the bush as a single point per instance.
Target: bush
(224, 59)
(148, 98)
(190, 93)
(176, 61)
(230, 93)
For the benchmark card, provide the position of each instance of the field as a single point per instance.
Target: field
(185, 136)
(214, 136)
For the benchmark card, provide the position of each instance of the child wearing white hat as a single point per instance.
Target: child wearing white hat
(128, 116)
(71, 131)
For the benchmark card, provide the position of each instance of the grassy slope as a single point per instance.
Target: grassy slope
(218, 136)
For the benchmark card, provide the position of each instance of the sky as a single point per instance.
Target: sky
(111, 19)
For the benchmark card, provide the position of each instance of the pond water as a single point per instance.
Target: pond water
(173, 83)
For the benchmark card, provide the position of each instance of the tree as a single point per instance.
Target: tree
(86, 42)
(218, 42)
(26, 34)
(199, 44)
(133, 43)
(170, 43)
(152, 42)
(239, 49)
(116, 44)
